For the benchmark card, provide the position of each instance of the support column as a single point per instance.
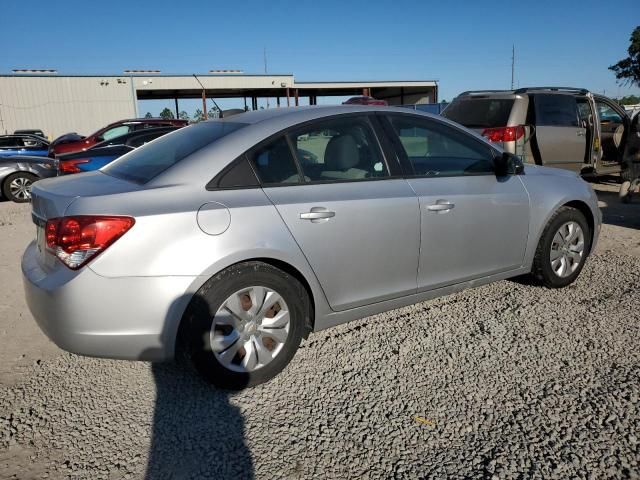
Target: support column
(296, 93)
(278, 101)
(175, 99)
(288, 98)
(254, 102)
(204, 105)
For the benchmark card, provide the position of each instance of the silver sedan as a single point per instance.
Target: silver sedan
(233, 239)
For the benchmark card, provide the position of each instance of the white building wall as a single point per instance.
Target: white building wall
(59, 105)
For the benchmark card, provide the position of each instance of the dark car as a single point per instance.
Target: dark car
(23, 144)
(72, 142)
(31, 131)
(103, 153)
(17, 174)
(364, 100)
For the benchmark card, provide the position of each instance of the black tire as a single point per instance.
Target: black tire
(542, 269)
(197, 322)
(19, 176)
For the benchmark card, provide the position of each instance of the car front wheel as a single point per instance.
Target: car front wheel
(563, 248)
(245, 325)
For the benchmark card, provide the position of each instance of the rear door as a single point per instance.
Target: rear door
(559, 135)
(473, 224)
(356, 223)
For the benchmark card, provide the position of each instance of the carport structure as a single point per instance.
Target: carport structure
(283, 88)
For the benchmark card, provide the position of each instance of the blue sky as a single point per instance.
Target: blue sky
(463, 45)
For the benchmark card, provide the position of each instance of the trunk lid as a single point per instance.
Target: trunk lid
(50, 198)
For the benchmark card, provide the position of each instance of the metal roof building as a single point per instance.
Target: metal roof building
(59, 104)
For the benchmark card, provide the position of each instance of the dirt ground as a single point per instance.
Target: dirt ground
(23, 344)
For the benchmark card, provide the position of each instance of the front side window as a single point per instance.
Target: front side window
(115, 132)
(339, 149)
(274, 163)
(556, 111)
(438, 150)
(607, 114)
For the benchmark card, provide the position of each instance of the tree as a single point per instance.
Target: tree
(198, 116)
(627, 70)
(184, 115)
(148, 115)
(166, 113)
(629, 100)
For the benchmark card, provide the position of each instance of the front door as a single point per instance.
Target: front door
(559, 135)
(473, 224)
(357, 226)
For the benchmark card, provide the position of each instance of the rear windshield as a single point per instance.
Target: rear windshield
(152, 159)
(479, 112)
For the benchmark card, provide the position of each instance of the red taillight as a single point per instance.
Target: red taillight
(503, 134)
(76, 240)
(71, 166)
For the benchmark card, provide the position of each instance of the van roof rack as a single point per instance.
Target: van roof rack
(581, 91)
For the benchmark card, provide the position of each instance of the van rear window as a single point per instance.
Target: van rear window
(479, 112)
(153, 158)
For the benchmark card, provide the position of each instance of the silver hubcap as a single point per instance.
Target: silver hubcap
(20, 188)
(567, 249)
(250, 329)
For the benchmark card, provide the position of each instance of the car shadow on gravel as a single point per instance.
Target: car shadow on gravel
(197, 432)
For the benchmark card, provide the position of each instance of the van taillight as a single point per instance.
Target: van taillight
(76, 240)
(503, 134)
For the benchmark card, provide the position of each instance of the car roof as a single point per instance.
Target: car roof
(22, 135)
(298, 114)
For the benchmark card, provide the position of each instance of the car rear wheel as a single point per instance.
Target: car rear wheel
(563, 248)
(244, 325)
(17, 187)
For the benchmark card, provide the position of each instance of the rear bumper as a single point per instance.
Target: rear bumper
(133, 318)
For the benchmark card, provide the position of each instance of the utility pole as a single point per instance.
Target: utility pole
(513, 65)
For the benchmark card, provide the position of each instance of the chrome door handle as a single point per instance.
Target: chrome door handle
(317, 215)
(440, 206)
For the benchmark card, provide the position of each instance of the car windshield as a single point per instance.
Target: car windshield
(479, 112)
(150, 160)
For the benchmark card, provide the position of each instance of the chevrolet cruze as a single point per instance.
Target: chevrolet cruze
(233, 239)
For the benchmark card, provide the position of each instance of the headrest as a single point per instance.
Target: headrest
(341, 153)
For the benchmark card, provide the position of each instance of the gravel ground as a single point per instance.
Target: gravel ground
(505, 381)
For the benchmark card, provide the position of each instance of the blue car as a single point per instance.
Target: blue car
(23, 144)
(106, 152)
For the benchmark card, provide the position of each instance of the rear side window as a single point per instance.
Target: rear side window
(339, 149)
(152, 159)
(556, 111)
(274, 163)
(479, 112)
(437, 150)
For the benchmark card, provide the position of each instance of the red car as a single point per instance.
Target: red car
(72, 142)
(365, 101)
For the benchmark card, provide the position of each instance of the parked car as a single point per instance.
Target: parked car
(72, 142)
(218, 241)
(18, 173)
(31, 131)
(557, 127)
(435, 108)
(363, 100)
(103, 153)
(23, 144)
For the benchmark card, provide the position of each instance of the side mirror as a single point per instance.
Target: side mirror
(508, 164)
